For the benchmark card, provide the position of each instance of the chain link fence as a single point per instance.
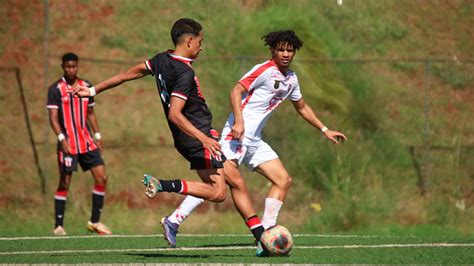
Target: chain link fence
(426, 109)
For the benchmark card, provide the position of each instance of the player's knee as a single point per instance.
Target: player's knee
(219, 195)
(289, 181)
(237, 183)
(105, 178)
(285, 183)
(101, 180)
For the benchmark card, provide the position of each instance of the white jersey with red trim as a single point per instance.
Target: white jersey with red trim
(266, 89)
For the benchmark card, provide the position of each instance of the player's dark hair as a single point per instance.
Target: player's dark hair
(184, 26)
(276, 38)
(70, 57)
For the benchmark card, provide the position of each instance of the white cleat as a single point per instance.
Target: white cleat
(59, 231)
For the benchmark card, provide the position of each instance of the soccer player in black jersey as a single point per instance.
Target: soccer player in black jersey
(189, 117)
(68, 116)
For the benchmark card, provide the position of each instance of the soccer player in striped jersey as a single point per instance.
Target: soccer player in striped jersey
(186, 110)
(69, 117)
(253, 99)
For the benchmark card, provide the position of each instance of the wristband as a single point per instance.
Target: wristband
(97, 136)
(61, 137)
(92, 91)
(324, 129)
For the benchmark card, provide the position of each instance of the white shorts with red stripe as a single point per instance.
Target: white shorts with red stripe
(249, 155)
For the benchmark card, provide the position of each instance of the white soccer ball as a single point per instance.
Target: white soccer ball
(278, 240)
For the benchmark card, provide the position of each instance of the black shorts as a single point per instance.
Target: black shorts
(201, 158)
(88, 160)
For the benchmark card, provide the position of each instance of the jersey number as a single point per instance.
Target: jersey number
(165, 97)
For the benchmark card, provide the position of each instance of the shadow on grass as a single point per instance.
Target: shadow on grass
(190, 256)
(176, 256)
(225, 245)
(182, 256)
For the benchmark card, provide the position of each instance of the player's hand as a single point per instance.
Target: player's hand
(238, 131)
(213, 146)
(81, 91)
(100, 144)
(335, 136)
(65, 146)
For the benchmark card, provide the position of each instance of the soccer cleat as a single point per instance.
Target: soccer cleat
(98, 228)
(152, 185)
(170, 230)
(59, 231)
(261, 250)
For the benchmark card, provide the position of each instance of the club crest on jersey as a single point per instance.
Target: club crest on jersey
(276, 85)
(65, 99)
(68, 161)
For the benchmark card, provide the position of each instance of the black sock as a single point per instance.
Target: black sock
(257, 232)
(171, 185)
(255, 226)
(59, 208)
(97, 204)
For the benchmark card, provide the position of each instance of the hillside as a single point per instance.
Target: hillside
(387, 109)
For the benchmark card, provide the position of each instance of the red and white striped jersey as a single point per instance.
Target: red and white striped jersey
(72, 115)
(266, 88)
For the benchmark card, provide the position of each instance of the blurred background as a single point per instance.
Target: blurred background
(396, 76)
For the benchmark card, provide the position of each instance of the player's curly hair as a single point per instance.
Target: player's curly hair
(184, 26)
(276, 38)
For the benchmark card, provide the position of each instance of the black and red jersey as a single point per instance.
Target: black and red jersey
(175, 77)
(72, 115)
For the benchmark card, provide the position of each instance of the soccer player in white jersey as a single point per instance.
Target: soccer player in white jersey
(253, 99)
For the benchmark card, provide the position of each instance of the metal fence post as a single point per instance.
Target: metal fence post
(45, 83)
(426, 129)
(30, 131)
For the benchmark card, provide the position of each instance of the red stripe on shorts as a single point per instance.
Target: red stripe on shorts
(207, 158)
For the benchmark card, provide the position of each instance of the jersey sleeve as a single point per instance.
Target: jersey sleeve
(54, 97)
(184, 84)
(91, 98)
(295, 94)
(253, 78)
(151, 64)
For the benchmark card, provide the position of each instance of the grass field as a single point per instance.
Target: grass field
(237, 248)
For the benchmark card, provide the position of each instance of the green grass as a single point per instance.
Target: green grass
(320, 249)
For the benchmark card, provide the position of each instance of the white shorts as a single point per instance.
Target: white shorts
(250, 155)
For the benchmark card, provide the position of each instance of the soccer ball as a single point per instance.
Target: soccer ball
(277, 240)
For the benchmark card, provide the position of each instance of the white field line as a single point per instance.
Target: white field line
(187, 235)
(426, 245)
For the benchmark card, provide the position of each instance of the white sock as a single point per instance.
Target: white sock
(185, 209)
(270, 215)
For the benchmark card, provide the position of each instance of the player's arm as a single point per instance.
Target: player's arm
(176, 117)
(308, 114)
(135, 72)
(54, 122)
(92, 119)
(238, 129)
